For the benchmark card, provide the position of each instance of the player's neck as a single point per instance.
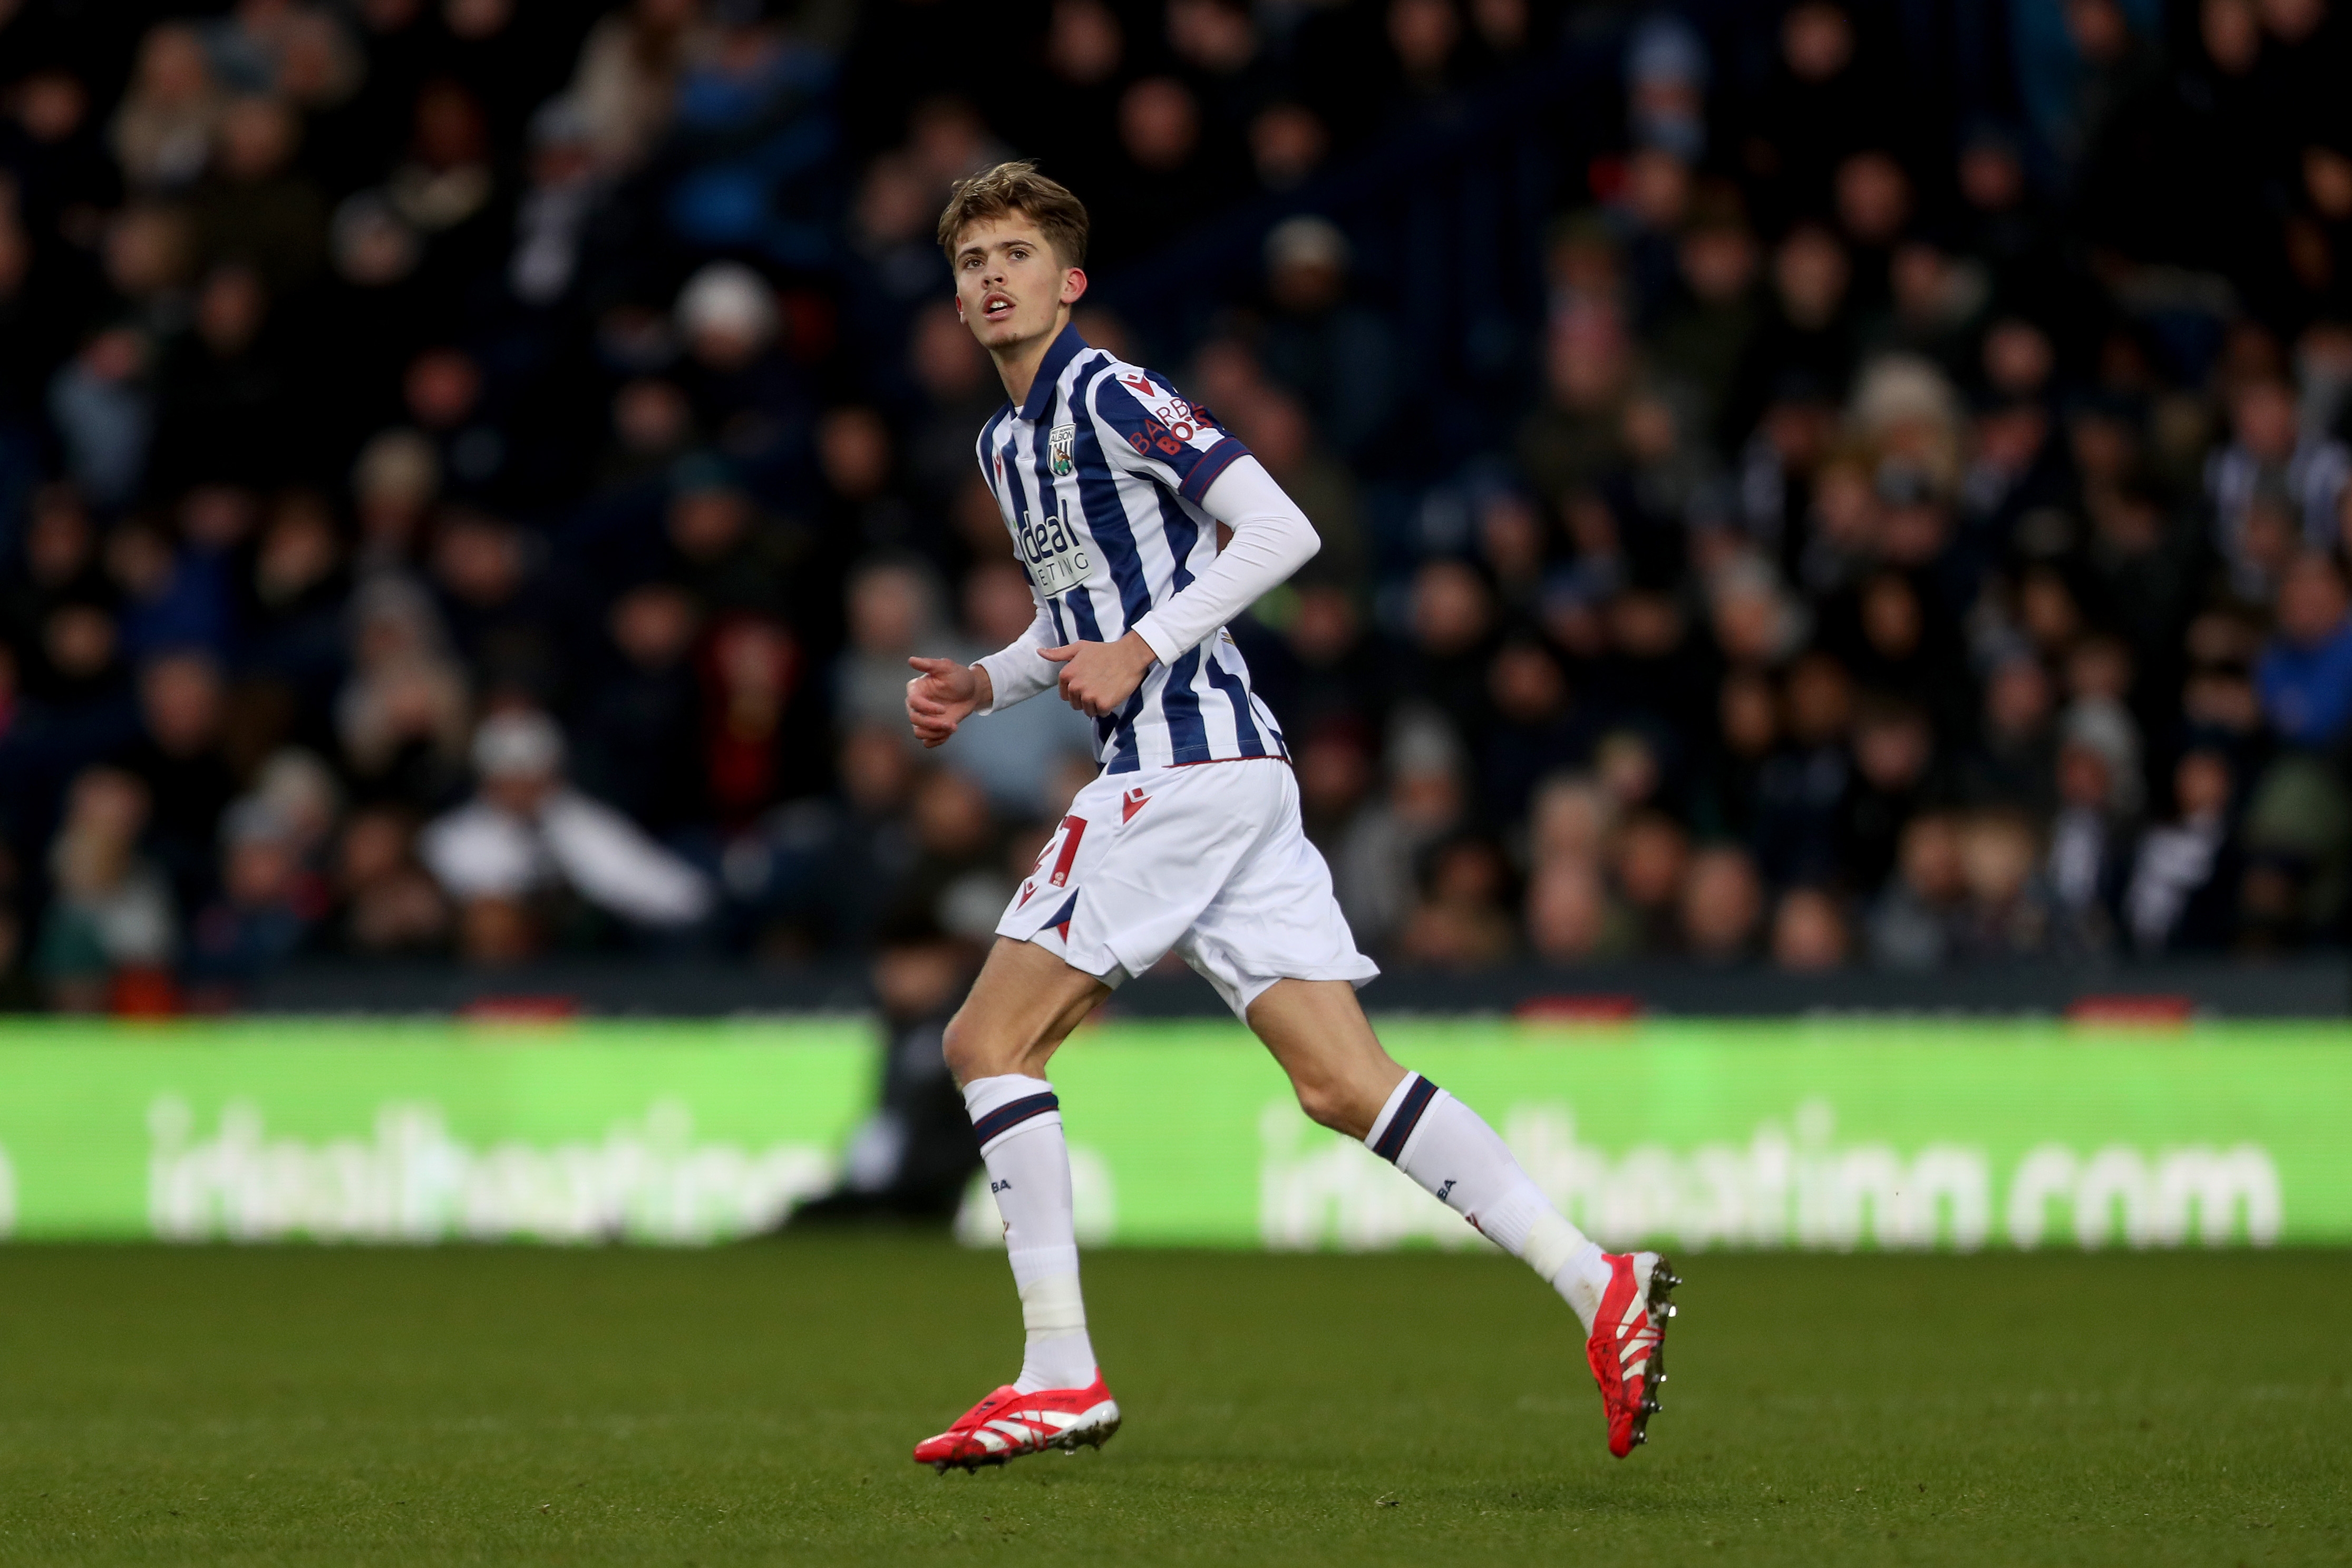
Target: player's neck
(1017, 366)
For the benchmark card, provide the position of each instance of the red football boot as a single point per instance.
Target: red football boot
(1628, 1347)
(1007, 1425)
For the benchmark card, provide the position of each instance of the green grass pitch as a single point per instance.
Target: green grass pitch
(755, 1405)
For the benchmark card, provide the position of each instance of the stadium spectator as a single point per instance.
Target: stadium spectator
(394, 485)
(1915, 923)
(2306, 674)
(2005, 913)
(164, 130)
(1460, 921)
(640, 736)
(265, 908)
(181, 758)
(551, 220)
(2091, 833)
(1722, 904)
(255, 208)
(1567, 913)
(388, 905)
(1339, 357)
(893, 612)
(300, 791)
(1808, 935)
(625, 85)
(2274, 487)
(402, 716)
(1650, 856)
(2183, 878)
(2014, 758)
(528, 856)
(111, 927)
(832, 864)
(1377, 865)
(292, 598)
(103, 410)
(495, 599)
(913, 1158)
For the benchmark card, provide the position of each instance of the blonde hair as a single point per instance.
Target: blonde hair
(1017, 187)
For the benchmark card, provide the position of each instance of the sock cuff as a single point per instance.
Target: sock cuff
(1398, 1120)
(982, 1095)
(1010, 1104)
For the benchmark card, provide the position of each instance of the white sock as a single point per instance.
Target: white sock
(1020, 1126)
(1448, 1148)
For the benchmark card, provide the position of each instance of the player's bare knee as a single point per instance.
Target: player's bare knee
(978, 1048)
(965, 1047)
(1326, 1102)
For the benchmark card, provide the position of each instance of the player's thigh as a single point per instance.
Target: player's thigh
(1318, 1031)
(1275, 917)
(1025, 1003)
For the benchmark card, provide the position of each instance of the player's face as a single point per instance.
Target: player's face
(1010, 286)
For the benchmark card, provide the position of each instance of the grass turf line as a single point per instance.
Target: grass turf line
(755, 1405)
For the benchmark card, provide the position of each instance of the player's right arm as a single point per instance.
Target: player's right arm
(944, 694)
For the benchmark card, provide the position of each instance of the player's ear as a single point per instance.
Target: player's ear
(1074, 285)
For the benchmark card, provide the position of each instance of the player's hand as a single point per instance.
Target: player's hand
(942, 694)
(1096, 677)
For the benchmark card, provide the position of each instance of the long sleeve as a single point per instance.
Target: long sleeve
(1271, 540)
(612, 863)
(1015, 673)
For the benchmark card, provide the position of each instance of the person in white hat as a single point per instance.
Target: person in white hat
(528, 832)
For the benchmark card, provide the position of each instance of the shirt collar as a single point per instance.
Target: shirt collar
(1065, 348)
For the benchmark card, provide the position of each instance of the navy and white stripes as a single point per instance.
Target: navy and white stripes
(994, 1124)
(1401, 1116)
(1099, 474)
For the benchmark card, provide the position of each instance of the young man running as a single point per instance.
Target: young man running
(1118, 494)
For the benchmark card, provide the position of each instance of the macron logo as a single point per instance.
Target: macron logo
(1131, 802)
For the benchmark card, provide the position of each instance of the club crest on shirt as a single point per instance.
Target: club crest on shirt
(1059, 442)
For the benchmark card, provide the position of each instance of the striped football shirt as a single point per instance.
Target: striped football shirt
(1099, 473)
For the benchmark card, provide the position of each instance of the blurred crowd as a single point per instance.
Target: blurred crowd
(471, 471)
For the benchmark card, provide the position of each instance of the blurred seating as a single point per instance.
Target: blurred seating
(1823, 486)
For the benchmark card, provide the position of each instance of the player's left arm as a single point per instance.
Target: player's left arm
(1271, 539)
(1146, 427)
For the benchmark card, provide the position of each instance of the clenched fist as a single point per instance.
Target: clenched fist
(1096, 677)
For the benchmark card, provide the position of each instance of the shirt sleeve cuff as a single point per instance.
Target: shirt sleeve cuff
(1212, 463)
(1155, 636)
(995, 685)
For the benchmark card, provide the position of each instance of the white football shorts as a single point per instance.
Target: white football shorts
(1210, 859)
